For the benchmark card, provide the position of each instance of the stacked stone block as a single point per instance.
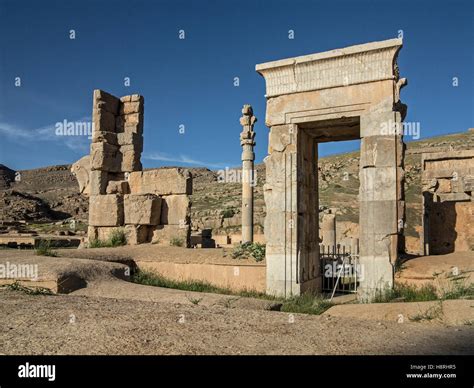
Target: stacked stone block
(381, 194)
(173, 186)
(448, 201)
(151, 206)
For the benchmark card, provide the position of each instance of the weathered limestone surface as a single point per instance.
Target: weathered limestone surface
(81, 169)
(117, 187)
(130, 160)
(328, 231)
(343, 94)
(161, 182)
(448, 201)
(106, 210)
(103, 120)
(137, 234)
(381, 198)
(106, 101)
(142, 209)
(105, 157)
(309, 275)
(175, 210)
(104, 233)
(98, 182)
(92, 233)
(168, 234)
(105, 137)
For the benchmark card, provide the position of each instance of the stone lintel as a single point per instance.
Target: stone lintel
(340, 67)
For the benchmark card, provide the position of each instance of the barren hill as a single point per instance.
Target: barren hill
(51, 193)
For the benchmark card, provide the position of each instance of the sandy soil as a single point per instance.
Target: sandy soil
(441, 271)
(112, 316)
(69, 324)
(151, 252)
(430, 267)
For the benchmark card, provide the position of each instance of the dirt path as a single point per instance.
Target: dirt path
(69, 324)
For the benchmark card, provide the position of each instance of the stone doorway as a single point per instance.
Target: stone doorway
(343, 94)
(310, 136)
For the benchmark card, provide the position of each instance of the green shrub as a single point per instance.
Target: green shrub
(248, 249)
(176, 242)
(16, 286)
(407, 293)
(459, 290)
(151, 279)
(306, 304)
(117, 238)
(96, 243)
(228, 213)
(45, 249)
(431, 313)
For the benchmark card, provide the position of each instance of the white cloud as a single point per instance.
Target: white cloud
(182, 159)
(80, 144)
(47, 133)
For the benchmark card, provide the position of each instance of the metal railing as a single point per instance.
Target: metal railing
(340, 269)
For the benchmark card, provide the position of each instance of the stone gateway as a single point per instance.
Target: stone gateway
(343, 94)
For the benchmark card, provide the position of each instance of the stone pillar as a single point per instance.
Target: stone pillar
(117, 143)
(291, 221)
(328, 231)
(354, 245)
(247, 142)
(381, 197)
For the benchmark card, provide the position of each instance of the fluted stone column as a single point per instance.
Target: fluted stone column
(247, 142)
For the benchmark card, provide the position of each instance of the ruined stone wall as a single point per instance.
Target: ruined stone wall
(151, 206)
(448, 181)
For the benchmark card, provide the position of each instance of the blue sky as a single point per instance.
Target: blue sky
(190, 82)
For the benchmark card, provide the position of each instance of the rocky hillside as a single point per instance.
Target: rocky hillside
(217, 205)
(51, 193)
(42, 194)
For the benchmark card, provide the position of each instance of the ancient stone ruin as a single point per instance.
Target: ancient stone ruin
(247, 141)
(151, 205)
(344, 94)
(82, 170)
(448, 202)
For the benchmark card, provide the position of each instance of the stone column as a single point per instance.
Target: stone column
(381, 198)
(291, 221)
(247, 142)
(328, 231)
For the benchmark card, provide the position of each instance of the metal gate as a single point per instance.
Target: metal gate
(340, 269)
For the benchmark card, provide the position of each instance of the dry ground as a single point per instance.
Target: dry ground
(68, 324)
(438, 268)
(112, 316)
